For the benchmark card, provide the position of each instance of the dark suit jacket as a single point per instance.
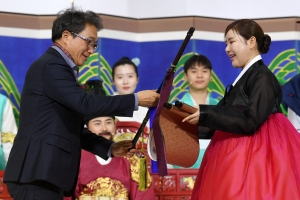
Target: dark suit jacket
(291, 94)
(49, 140)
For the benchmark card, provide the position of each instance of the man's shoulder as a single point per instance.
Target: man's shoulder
(50, 57)
(51, 54)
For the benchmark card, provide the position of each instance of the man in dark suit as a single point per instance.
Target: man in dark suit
(44, 160)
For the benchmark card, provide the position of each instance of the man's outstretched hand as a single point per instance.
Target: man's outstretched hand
(148, 98)
(120, 149)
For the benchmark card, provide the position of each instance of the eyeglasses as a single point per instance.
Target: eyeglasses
(91, 43)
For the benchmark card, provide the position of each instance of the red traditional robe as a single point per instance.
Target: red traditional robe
(119, 178)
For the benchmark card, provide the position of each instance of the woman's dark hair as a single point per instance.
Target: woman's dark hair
(199, 60)
(248, 28)
(123, 61)
(74, 21)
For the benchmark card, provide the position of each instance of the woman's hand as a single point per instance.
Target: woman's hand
(193, 118)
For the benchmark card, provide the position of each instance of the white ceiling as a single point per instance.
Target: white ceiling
(229, 9)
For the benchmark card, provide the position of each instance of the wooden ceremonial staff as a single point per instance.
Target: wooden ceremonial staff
(164, 90)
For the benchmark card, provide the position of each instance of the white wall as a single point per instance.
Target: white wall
(229, 9)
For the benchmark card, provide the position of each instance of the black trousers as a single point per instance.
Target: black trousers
(36, 190)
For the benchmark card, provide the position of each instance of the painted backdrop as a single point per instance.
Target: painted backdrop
(16, 55)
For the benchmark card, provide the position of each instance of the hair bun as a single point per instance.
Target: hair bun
(266, 44)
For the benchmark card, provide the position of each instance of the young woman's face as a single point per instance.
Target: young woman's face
(198, 77)
(238, 50)
(125, 79)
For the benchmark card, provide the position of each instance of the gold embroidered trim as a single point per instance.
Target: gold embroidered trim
(7, 137)
(106, 187)
(127, 136)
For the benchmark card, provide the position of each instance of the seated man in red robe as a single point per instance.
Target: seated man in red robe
(116, 177)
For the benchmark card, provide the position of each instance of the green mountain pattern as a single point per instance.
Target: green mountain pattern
(8, 88)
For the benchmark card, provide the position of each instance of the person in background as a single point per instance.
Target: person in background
(8, 129)
(116, 177)
(197, 72)
(254, 152)
(44, 160)
(125, 77)
(291, 100)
